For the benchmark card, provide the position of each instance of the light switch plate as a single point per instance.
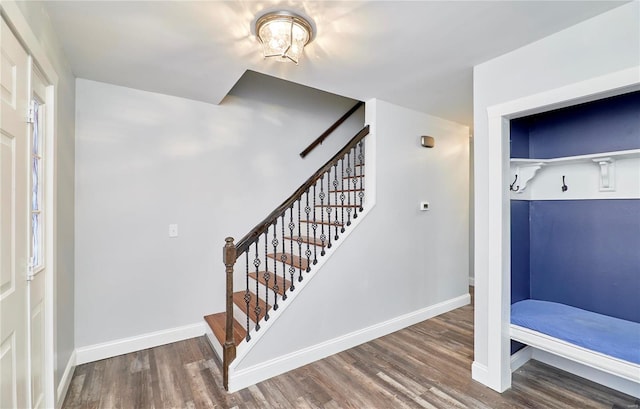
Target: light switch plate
(424, 205)
(173, 230)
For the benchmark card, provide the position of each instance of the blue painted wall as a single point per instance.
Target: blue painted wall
(520, 247)
(586, 253)
(609, 124)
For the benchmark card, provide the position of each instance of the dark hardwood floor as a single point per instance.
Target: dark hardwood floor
(427, 365)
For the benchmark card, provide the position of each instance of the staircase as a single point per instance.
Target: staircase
(266, 268)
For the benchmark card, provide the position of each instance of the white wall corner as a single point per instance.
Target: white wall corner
(117, 347)
(65, 380)
(250, 376)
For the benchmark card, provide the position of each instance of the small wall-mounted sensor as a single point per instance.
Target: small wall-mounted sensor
(424, 205)
(427, 141)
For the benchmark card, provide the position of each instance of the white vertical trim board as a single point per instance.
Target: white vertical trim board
(65, 380)
(252, 375)
(117, 347)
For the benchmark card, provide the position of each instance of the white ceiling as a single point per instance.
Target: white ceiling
(416, 54)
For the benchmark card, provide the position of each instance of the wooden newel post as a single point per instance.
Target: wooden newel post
(229, 348)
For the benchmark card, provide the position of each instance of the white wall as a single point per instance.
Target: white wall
(398, 260)
(145, 160)
(601, 45)
(38, 20)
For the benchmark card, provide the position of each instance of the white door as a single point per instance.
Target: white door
(37, 259)
(14, 247)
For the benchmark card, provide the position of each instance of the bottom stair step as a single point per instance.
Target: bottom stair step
(217, 323)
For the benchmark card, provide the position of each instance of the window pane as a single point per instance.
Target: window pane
(35, 183)
(36, 131)
(35, 237)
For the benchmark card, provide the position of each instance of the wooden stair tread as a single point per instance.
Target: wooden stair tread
(217, 323)
(291, 260)
(262, 281)
(238, 299)
(308, 239)
(333, 223)
(353, 176)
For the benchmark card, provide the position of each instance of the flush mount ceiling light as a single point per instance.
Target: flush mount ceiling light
(283, 35)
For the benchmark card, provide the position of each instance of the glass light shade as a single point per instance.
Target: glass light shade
(283, 36)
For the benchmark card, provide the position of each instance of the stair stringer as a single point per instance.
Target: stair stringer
(244, 347)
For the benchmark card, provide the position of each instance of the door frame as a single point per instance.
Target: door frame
(21, 29)
(494, 279)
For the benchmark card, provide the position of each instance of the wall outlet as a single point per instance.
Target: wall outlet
(424, 205)
(173, 230)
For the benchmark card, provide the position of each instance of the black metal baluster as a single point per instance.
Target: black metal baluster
(314, 226)
(247, 293)
(299, 241)
(257, 309)
(274, 243)
(292, 269)
(307, 252)
(323, 237)
(267, 275)
(283, 258)
(342, 197)
(355, 181)
(361, 159)
(348, 193)
(335, 199)
(329, 208)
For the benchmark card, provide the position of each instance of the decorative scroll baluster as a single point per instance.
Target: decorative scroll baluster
(283, 258)
(335, 199)
(292, 269)
(323, 237)
(274, 243)
(348, 193)
(329, 208)
(247, 293)
(299, 243)
(342, 197)
(314, 226)
(361, 160)
(307, 252)
(267, 275)
(354, 180)
(257, 309)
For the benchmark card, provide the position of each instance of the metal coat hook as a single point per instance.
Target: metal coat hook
(564, 186)
(511, 188)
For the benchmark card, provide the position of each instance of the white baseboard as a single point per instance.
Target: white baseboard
(479, 373)
(65, 380)
(243, 378)
(521, 357)
(126, 345)
(610, 381)
(472, 281)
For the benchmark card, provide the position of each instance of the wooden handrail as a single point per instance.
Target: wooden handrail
(247, 240)
(330, 129)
